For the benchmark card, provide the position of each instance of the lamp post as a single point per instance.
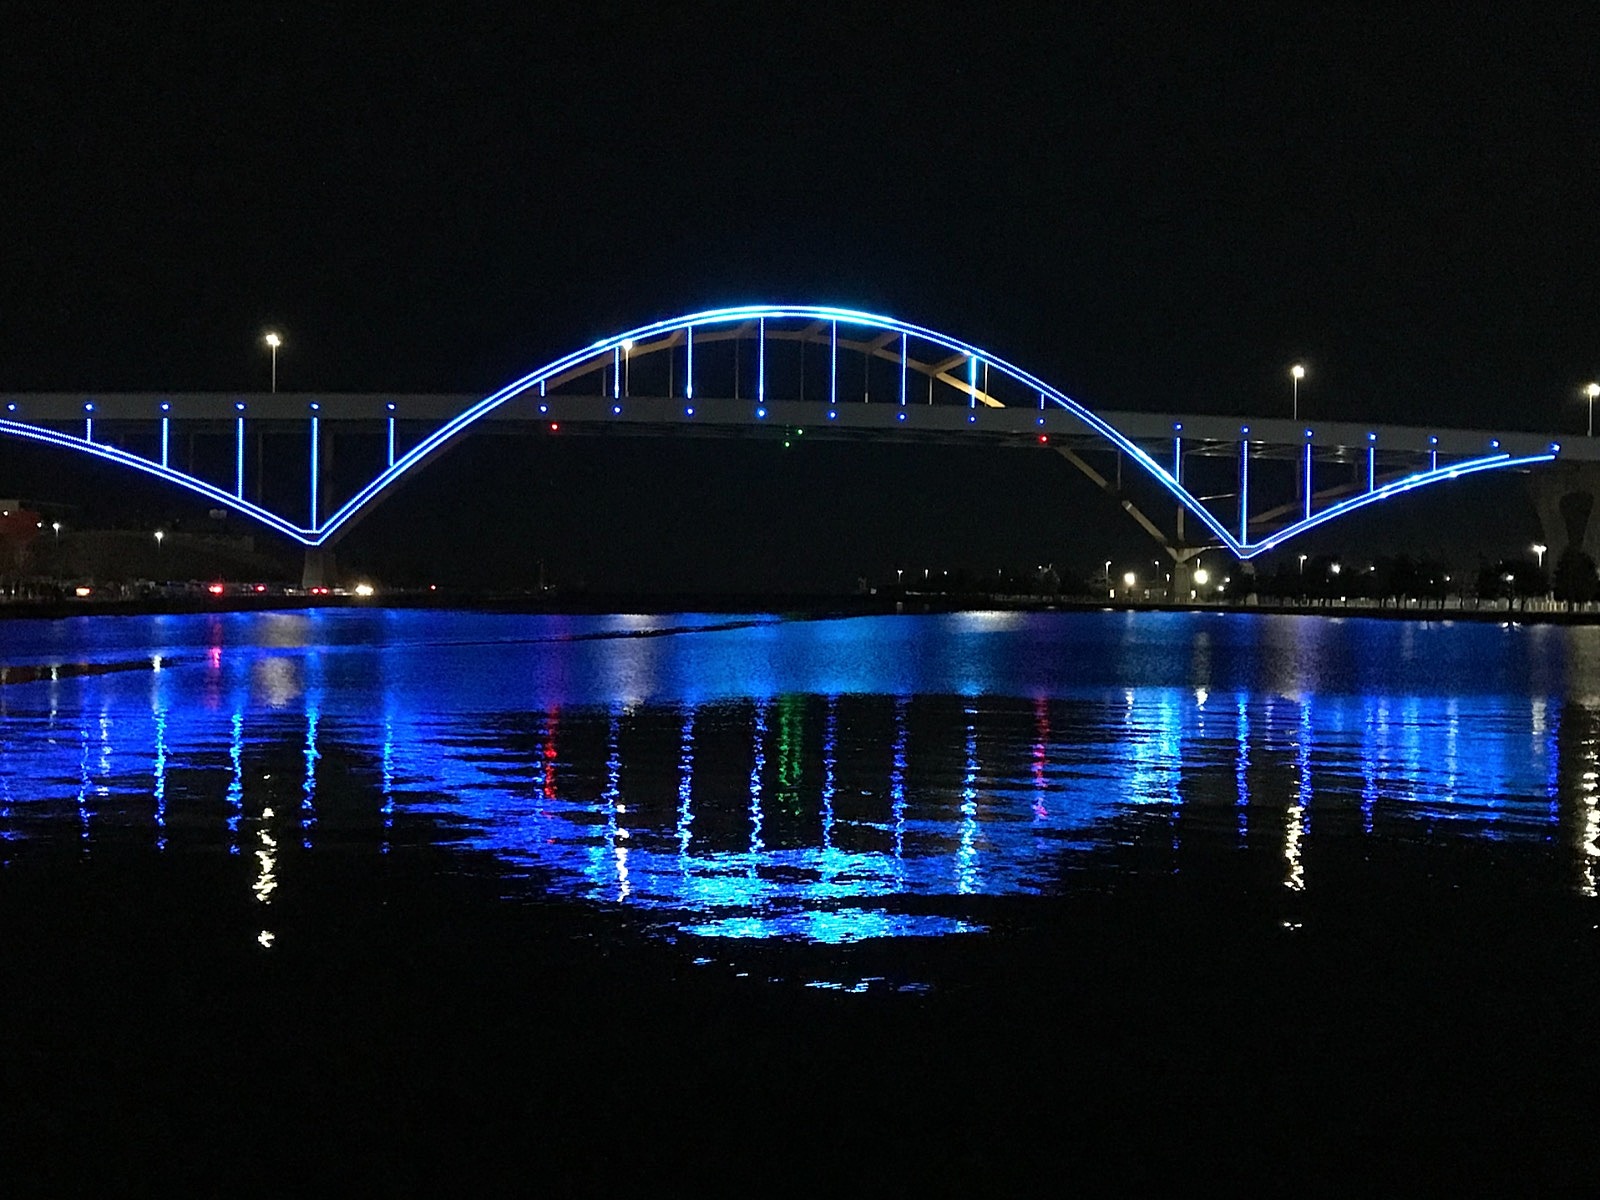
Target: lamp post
(160, 535)
(1296, 373)
(1591, 391)
(56, 526)
(627, 363)
(273, 342)
(1538, 550)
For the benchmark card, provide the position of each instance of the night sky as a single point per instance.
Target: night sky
(1150, 210)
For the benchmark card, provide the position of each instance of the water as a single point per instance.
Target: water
(419, 814)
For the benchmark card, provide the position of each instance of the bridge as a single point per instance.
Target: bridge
(1194, 483)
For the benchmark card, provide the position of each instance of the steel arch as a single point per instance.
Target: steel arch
(358, 505)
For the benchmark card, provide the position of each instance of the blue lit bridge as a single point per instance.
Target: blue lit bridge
(1194, 483)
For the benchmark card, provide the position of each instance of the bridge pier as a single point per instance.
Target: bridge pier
(1566, 498)
(319, 568)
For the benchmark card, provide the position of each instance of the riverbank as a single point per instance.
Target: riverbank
(806, 604)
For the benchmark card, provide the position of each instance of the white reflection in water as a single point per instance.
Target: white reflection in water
(758, 768)
(1296, 882)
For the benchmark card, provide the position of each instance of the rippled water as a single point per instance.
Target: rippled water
(820, 780)
(441, 902)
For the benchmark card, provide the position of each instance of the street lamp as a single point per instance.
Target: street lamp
(1297, 373)
(273, 342)
(1201, 576)
(1129, 580)
(1539, 550)
(1302, 564)
(56, 525)
(1591, 391)
(160, 534)
(627, 363)
(1335, 569)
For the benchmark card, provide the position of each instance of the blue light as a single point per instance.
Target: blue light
(160, 471)
(543, 408)
(315, 407)
(165, 407)
(902, 416)
(389, 406)
(1372, 437)
(1244, 429)
(239, 405)
(832, 415)
(88, 408)
(761, 412)
(1433, 441)
(688, 412)
(1040, 421)
(616, 410)
(13, 408)
(972, 381)
(688, 375)
(972, 418)
(1555, 447)
(314, 430)
(1494, 443)
(761, 360)
(1308, 433)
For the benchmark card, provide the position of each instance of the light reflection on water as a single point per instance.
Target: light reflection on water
(827, 781)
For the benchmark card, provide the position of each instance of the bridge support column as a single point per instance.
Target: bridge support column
(1184, 561)
(319, 569)
(1566, 497)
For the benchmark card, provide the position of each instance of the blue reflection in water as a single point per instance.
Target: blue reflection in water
(825, 780)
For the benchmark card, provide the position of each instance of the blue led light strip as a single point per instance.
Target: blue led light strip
(903, 370)
(1470, 466)
(238, 459)
(319, 534)
(688, 367)
(1244, 493)
(391, 441)
(761, 361)
(50, 437)
(1308, 481)
(972, 381)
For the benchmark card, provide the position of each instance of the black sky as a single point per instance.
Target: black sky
(1151, 207)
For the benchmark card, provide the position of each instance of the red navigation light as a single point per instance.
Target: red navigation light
(215, 589)
(554, 427)
(261, 587)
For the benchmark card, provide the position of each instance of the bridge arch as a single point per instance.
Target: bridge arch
(963, 368)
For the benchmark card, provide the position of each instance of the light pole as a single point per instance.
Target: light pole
(627, 363)
(1538, 550)
(1591, 391)
(56, 525)
(1302, 564)
(1296, 373)
(273, 342)
(160, 534)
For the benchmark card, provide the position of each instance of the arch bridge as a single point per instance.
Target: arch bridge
(1193, 483)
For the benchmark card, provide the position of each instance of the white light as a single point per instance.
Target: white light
(1297, 371)
(1202, 576)
(273, 340)
(1129, 579)
(363, 589)
(627, 343)
(1592, 390)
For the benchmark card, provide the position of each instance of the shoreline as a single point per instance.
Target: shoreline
(799, 604)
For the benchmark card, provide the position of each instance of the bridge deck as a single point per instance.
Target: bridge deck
(706, 417)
